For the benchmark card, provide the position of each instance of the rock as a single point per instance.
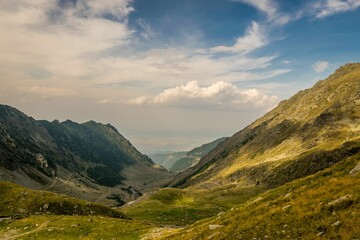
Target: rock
(73, 225)
(45, 206)
(287, 195)
(214, 226)
(257, 200)
(286, 207)
(355, 170)
(337, 223)
(320, 233)
(341, 202)
(220, 213)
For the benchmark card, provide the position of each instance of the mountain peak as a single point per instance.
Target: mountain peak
(345, 69)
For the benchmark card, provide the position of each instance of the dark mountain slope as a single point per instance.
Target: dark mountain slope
(307, 133)
(84, 160)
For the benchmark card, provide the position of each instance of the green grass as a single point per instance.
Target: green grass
(297, 210)
(73, 227)
(18, 202)
(181, 207)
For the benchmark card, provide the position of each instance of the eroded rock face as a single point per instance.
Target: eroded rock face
(41, 161)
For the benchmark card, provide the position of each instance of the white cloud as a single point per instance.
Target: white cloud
(320, 66)
(330, 7)
(254, 38)
(147, 32)
(119, 9)
(218, 95)
(79, 47)
(267, 6)
(39, 34)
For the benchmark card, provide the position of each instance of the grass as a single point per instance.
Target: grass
(73, 227)
(181, 207)
(17, 201)
(301, 209)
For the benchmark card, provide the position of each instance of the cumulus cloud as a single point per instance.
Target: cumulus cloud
(321, 66)
(254, 38)
(218, 95)
(327, 8)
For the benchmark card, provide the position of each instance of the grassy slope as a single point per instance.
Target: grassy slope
(46, 215)
(181, 207)
(317, 119)
(297, 210)
(72, 227)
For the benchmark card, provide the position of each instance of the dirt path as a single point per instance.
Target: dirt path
(38, 229)
(137, 200)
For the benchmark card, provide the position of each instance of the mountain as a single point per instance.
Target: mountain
(92, 161)
(292, 174)
(322, 206)
(311, 131)
(167, 158)
(193, 156)
(180, 161)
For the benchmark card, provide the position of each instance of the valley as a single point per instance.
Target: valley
(292, 174)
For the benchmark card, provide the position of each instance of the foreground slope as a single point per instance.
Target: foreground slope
(305, 134)
(92, 161)
(325, 205)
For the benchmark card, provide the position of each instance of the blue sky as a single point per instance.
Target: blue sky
(170, 75)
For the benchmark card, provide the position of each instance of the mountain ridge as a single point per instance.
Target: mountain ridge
(320, 118)
(72, 158)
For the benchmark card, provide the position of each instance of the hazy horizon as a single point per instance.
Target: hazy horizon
(169, 75)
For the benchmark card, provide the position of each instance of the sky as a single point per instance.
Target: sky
(169, 74)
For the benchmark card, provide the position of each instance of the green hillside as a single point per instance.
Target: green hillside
(325, 205)
(307, 133)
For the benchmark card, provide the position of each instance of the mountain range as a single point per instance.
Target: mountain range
(292, 174)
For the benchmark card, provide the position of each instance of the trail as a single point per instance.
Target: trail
(38, 229)
(137, 200)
